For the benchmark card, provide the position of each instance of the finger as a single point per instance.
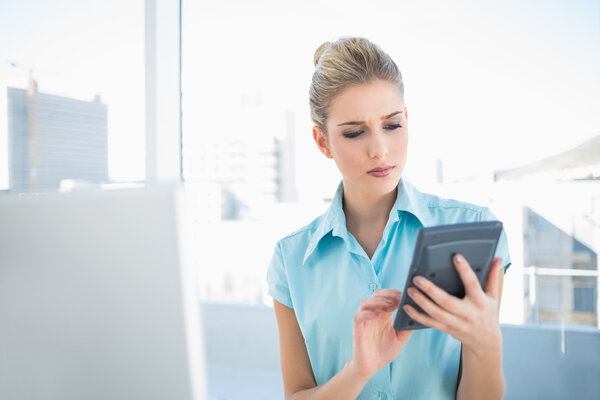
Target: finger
(437, 294)
(391, 297)
(387, 293)
(433, 310)
(391, 300)
(492, 287)
(366, 315)
(424, 319)
(376, 300)
(468, 277)
(379, 307)
(371, 303)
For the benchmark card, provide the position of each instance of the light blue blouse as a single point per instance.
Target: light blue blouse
(323, 273)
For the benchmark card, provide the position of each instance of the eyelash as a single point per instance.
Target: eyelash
(354, 134)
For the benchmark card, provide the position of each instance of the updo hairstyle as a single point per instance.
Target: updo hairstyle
(347, 61)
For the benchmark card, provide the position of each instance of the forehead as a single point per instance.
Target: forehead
(369, 101)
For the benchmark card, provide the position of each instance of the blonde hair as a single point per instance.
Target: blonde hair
(347, 61)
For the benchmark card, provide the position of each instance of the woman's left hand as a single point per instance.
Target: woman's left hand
(473, 320)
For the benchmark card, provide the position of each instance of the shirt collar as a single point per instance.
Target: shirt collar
(408, 199)
(333, 220)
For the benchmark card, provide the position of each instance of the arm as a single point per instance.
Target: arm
(473, 320)
(376, 344)
(482, 377)
(298, 380)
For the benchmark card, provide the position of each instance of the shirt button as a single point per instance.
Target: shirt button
(373, 286)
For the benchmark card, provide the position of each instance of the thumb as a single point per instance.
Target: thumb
(491, 285)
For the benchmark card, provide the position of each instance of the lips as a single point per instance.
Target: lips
(381, 171)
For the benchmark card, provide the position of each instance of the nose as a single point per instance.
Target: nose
(378, 147)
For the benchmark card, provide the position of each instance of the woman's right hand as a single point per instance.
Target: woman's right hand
(375, 341)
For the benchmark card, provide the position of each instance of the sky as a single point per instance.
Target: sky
(489, 85)
(80, 48)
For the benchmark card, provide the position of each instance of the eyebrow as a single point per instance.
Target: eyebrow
(362, 122)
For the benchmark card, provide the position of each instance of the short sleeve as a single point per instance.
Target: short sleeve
(277, 279)
(502, 248)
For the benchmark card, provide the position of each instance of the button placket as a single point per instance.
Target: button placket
(366, 266)
(374, 285)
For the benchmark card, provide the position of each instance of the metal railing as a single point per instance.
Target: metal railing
(533, 272)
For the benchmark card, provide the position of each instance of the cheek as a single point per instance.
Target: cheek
(346, 155)
(400, 143)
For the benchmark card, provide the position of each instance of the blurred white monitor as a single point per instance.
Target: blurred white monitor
(97, 299)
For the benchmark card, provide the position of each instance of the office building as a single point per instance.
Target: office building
(54, 138)
(250, 162)
(560, 198)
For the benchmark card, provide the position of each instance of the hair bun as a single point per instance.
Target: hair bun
(322, 48)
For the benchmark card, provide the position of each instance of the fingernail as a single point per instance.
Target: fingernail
(411, 292)
(420, 281)
(389, 301)
(459, 258)
(406, 309)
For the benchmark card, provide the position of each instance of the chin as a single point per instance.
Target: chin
(384, 186)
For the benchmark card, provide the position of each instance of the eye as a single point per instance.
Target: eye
(352, 134)
(392, 127)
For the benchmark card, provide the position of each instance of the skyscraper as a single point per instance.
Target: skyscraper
(51, 138)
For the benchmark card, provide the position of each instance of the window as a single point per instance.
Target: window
(250, 164)
(584, 299)
(71, 94)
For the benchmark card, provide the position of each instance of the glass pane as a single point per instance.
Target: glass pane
(253, 171)
(502, 100)
(565, 300)
(71, 94)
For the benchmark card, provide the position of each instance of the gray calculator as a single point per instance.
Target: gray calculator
(432, 258)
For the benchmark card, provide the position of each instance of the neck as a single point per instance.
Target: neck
(364, 210)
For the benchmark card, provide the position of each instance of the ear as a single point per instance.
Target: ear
(321, 141)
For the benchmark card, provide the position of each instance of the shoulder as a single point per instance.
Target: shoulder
(437, 210)
(300, 238)
(435, 203)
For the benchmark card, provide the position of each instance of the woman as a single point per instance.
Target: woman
(334, 281)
